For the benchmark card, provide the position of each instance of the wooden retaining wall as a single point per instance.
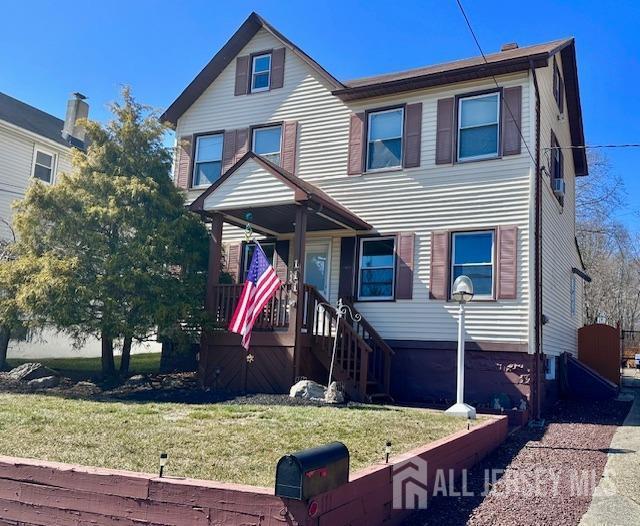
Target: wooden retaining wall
(34, 492)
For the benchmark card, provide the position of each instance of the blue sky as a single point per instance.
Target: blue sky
(49, 49)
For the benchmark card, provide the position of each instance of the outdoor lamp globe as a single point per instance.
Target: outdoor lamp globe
(462, 289)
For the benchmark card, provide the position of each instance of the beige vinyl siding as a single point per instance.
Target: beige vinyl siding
(482, 194)
(17, 151)
(559, 252)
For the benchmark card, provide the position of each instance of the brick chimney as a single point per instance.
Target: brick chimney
(77, 108)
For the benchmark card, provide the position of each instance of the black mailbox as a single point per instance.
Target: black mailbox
(312, 471)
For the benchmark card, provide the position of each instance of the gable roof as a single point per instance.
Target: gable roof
(34, 120)
(303, 191)
(223, 58)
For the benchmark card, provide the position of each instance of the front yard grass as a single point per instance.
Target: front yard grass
(231, 443)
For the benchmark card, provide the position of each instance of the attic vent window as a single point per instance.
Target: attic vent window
(261, 73)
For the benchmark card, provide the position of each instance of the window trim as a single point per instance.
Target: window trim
(458, 115)
(493, 231)
(557, 77)
(321, 241)
(245, 252)
(252, 73)
(54, 164)
(361, 242)
(194, 162)
(550, 366)
(368, 114)
(260, 127)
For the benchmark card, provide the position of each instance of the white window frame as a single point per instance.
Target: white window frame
(550, 367)
(361, 268)
(497, 123)
(254, 73)
(401, 137)
(315, 243)
(54, 164)
(245, 257)
(493, 261)
(267, 155)
(196, 162)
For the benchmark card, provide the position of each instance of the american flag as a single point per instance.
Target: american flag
(260, 285)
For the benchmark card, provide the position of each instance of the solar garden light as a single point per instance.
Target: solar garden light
(163, 463)
(387, 451)
(462, 293)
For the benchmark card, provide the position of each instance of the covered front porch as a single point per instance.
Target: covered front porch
(301, 228)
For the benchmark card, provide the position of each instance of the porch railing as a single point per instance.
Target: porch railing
(275, 314)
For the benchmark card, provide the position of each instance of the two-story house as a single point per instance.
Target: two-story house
(381, 191)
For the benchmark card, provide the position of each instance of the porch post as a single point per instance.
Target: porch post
(299, 241)
(215, 256)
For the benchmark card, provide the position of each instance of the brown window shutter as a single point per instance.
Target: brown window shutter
(356, 144)
(242, 75)
(405, 242)
(232, 261)
(242, 143)
(346, 280)
(439, 269)
(289, 141)
(277, 68)
(561, 96)
(228, 150)
(183, 164)
(507, 262)
(282, 259)
(555, 79)
(511, 120)
(444, 131)
(412, 134)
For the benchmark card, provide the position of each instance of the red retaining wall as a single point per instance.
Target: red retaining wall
(34, 492)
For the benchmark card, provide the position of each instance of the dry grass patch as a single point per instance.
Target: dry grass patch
(233, 443)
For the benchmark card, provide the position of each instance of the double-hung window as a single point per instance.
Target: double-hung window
(249, 248)
(376, 278)
(267, 141)
(44, 166)
(557, 159)
(261, 72)
(384, 139)
(208, 160)
(472, 256)
(478, 127)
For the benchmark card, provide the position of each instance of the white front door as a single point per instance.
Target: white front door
(317, 264)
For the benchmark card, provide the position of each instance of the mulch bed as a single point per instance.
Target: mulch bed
(542, 469)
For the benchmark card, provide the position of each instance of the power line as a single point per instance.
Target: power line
(593, 146)
(475, 38)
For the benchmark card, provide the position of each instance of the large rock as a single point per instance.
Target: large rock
(46, 382)
(30, 371)
(308, 390)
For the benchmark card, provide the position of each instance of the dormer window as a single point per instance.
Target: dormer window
(261, 72)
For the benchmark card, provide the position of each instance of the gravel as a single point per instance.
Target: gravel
(550, 462)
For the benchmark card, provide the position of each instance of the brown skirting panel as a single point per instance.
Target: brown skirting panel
(424, 373)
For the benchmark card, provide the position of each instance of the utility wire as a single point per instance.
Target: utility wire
(475, 38)
(593, 146)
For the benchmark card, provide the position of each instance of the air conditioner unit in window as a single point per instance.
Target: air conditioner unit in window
(558, 187)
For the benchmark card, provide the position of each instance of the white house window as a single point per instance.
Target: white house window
(261, 72)
(44, 166)
(472, 256)
(249, 248)
(384, 139)
(478, 128)
(550, 368)
(573, 294)
(208, 160)
(377, 268)
(267, 142)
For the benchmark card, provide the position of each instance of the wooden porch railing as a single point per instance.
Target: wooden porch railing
(361, 354)
(275, 314)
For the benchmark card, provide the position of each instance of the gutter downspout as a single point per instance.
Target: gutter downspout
(536, 398)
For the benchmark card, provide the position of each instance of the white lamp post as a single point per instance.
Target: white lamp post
(462, 293)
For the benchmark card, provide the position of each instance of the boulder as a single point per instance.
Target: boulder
(30, 371)
(136, 379)
(46, 382)
(307, 390)
(334, 394)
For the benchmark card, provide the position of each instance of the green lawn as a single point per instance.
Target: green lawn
(89, 367)
(233, 443)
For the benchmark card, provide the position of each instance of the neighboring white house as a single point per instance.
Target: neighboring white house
(405, 181)
(35, 145)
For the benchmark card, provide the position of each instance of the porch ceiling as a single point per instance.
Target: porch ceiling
(275, 211)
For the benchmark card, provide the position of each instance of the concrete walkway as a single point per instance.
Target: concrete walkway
(616, 500)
